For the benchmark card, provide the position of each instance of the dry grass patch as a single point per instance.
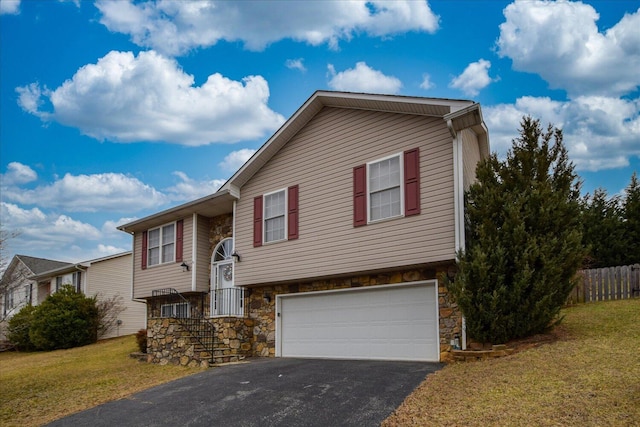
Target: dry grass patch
(37, 388)
(590, 376)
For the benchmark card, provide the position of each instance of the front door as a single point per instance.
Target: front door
(226, 299)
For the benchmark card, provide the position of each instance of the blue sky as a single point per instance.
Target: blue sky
(114, 110)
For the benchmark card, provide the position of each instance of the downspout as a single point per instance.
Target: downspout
(133, 269)
(456, 184)
(79, 267)
(458, 201)
(233, 226)
(194, 251)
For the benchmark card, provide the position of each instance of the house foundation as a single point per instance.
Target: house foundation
(236, 338)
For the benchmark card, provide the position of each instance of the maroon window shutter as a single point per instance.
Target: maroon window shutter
(179, 233)
(292, 208)
(257, 221)
(144, 250)
(412, 182)
(360, 195)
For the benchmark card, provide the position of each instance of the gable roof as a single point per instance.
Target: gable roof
(458, 113)
(457, 109)
(73, 267)
(40, 265)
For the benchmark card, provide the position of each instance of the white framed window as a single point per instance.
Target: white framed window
(275, 209)
(180, 309)
(58, 283)
(384, 188)
(27, 293)
(77, 281)
(161, 244)
(10, 299)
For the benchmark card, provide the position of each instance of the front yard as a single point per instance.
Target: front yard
(36, 388)
(590, 376)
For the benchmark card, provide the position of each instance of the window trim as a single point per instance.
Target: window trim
(174, 310)
(76, 279)
(401, 185)
(11, 300)
(285, 216)
(160, 245)
(28, 290)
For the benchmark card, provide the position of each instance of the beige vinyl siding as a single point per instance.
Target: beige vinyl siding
(16, 283)
(112, 277)
(320, 159)
(203, 259)
(169, 275)
(470, 156)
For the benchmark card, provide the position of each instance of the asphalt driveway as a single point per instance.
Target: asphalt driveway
(268, 392)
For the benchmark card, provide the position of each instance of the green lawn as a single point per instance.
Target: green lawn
(589, 377)
(36, 388)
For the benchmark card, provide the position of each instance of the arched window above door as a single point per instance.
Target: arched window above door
(223, 250)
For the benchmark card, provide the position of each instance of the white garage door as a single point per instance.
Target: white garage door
(382, 322)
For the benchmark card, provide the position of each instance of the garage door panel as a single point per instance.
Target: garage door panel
(397, 322)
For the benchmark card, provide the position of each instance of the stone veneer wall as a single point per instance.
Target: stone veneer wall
(234, 338)
(264, 341)
(221, 228)
(168, 342)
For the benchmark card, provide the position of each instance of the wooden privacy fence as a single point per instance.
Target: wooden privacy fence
(603, 284)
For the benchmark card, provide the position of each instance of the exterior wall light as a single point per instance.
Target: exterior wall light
(185, 266)
(236, 256)
(267, 298)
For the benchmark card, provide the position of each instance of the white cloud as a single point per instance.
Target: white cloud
(599, 132)
(426, 82)
(362, 78)
(176, 27)
(296, 64)
(189, 189)
(17, 173)
(149, 98)
(9, 7)
(14, 217)
(90, 193)
(30, 98)
(106, 250)
(42, 233)
(235, 159)
(474, 78)
(59, 237)
(561, 42)
(110, 227)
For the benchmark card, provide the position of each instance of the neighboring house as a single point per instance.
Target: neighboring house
(107, 278)
(18, 289)
(329, 242)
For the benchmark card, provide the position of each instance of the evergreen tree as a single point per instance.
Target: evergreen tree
(524, 242)
(603, 232)
(632, 220)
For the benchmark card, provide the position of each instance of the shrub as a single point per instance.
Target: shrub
(18, 329)
(524, 243)
(141, 339)
(65, 319)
